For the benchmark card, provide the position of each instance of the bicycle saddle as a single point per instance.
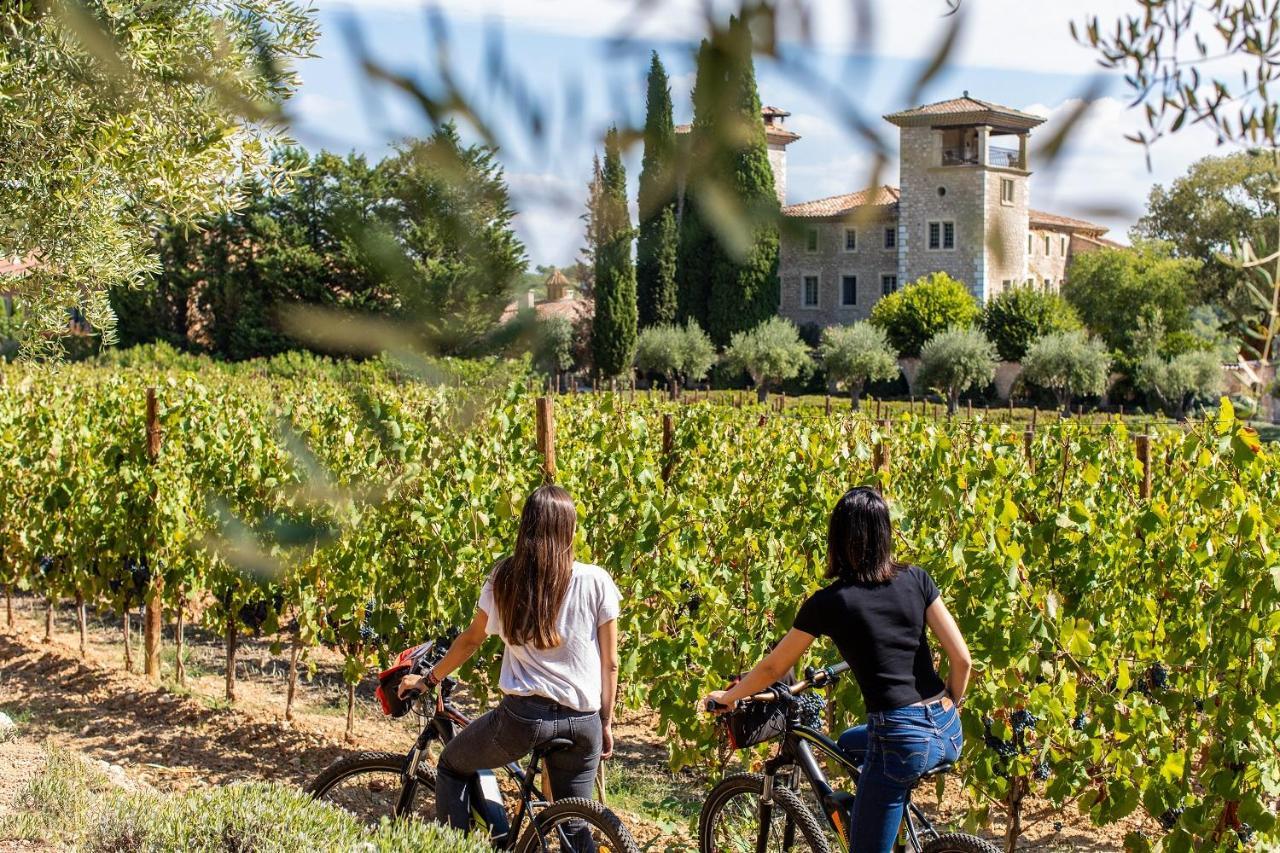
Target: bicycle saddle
(942, 768)
(554, 745)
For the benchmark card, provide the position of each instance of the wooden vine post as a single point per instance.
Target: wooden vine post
(1027, 438)
(1143, 444)
(668, 445)
(828, 405)
(547, 438)
(154, 604)
(880, 457)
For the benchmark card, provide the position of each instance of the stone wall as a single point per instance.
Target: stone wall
(1050, 265)
(778, 161)
(933, 192)
(869, 261)
(1006, 241)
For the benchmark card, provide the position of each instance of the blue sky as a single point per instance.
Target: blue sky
(578, 77)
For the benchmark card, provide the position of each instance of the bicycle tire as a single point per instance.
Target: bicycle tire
(752, 785)
(609, 832)
(389, 765)
(958, 842)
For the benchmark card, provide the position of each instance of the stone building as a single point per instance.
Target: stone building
(962, 207)
(561, 300)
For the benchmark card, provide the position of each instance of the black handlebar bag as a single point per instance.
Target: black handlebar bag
(753, 723)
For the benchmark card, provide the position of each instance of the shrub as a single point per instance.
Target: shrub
(1019, 316)
(683, 353)
(854, 355)
(923, 309)
(1178, 381)
(553, 345)
(1070, 364)
(73, 806)
(955, 360)
(771, 352)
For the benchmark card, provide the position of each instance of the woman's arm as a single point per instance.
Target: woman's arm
(952, 641)
(775, 665)
(459, 653)
(607, 634)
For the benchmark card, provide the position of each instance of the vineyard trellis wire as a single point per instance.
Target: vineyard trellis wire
(1122, 604)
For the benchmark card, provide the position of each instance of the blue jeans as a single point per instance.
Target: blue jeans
(508, 733)
(895, 748)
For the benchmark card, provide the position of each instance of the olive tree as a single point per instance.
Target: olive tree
(682, 354)
(771, 352)
(953, 361)
(1177, 382)
(853, 355)
(1070, 364)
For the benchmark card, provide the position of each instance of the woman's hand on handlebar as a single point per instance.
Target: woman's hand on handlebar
(411, 685)
(713, 703)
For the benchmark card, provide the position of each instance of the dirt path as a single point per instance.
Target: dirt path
(173, 739)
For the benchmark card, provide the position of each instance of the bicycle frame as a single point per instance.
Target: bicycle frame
(797, 751)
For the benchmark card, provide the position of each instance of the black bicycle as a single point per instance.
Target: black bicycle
(375, 785)
(765, 812)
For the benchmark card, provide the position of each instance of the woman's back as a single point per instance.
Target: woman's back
(880, 630)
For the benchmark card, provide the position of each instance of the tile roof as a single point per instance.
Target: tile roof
(1053, 220)
(838, 205)
(963, 109)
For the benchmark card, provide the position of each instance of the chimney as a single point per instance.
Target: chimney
(778, 138)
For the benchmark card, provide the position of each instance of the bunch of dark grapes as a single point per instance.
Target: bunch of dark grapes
(1001, 747)
(1022, 720)
(1158, 676)
(1042, 770)
(1245, 833)
(1169, 818)
(810, 706)
(1080, 721)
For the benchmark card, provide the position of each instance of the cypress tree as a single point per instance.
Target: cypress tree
(613, 332)
(697, 245)
(656, 246)
(744, 284)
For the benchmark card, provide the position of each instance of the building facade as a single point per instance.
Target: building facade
(963, 207)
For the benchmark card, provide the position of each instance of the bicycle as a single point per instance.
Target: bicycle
(374, 785)
(738, 814)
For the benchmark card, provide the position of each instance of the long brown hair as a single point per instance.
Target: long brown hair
(529, 586)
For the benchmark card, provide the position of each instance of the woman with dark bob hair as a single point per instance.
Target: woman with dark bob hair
(875, 611)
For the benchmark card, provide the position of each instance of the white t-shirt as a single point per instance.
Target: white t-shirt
(568, 674)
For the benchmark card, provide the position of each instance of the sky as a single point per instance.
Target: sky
(549, 77)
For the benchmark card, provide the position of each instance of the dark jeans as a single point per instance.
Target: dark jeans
(894, 749)
(508, 733)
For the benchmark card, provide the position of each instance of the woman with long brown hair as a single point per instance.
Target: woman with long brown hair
(558, 620)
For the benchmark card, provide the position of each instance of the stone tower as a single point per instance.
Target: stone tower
(778, 138)
(964, 182)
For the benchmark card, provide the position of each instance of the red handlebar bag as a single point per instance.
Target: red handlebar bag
(389, 680)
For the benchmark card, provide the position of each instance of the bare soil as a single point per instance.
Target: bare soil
(173, 738)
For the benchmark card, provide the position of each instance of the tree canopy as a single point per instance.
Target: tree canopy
(1112, 288)
(124, 113)
(656, 245)
(613, 333)
(771, 352)
(926, 307)
(956, 360)
(855, 354)
(1070, 364)
(1017, 317)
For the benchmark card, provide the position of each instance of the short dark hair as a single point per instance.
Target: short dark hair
(860, 539)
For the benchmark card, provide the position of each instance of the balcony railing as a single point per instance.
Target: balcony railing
(1009, 158)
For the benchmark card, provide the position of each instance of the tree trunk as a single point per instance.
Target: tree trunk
(48, 619)
(179, 630)
(762, 392)
(1064, 400)
(8, 605)
(349, 735)
(233, 640)
(855, 395)
(953, 401)
(1017, 790)
(128, 645)
(293, 676)
(80, 621)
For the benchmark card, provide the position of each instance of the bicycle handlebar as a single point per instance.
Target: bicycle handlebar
(813, 678)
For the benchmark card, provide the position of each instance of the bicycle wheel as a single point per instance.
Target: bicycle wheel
(730, 820)
(368, 786)
(955, 842)
(576, 825)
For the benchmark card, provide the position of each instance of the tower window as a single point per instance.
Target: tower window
(888, 284)
(1048, 246)
(935, 235)
(811, 240)
(848, 290)
(891, 238)
(1006, 190)
(942, 235)
(850, 239)
(809, 292)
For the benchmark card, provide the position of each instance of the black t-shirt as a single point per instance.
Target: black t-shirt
(880, 630)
